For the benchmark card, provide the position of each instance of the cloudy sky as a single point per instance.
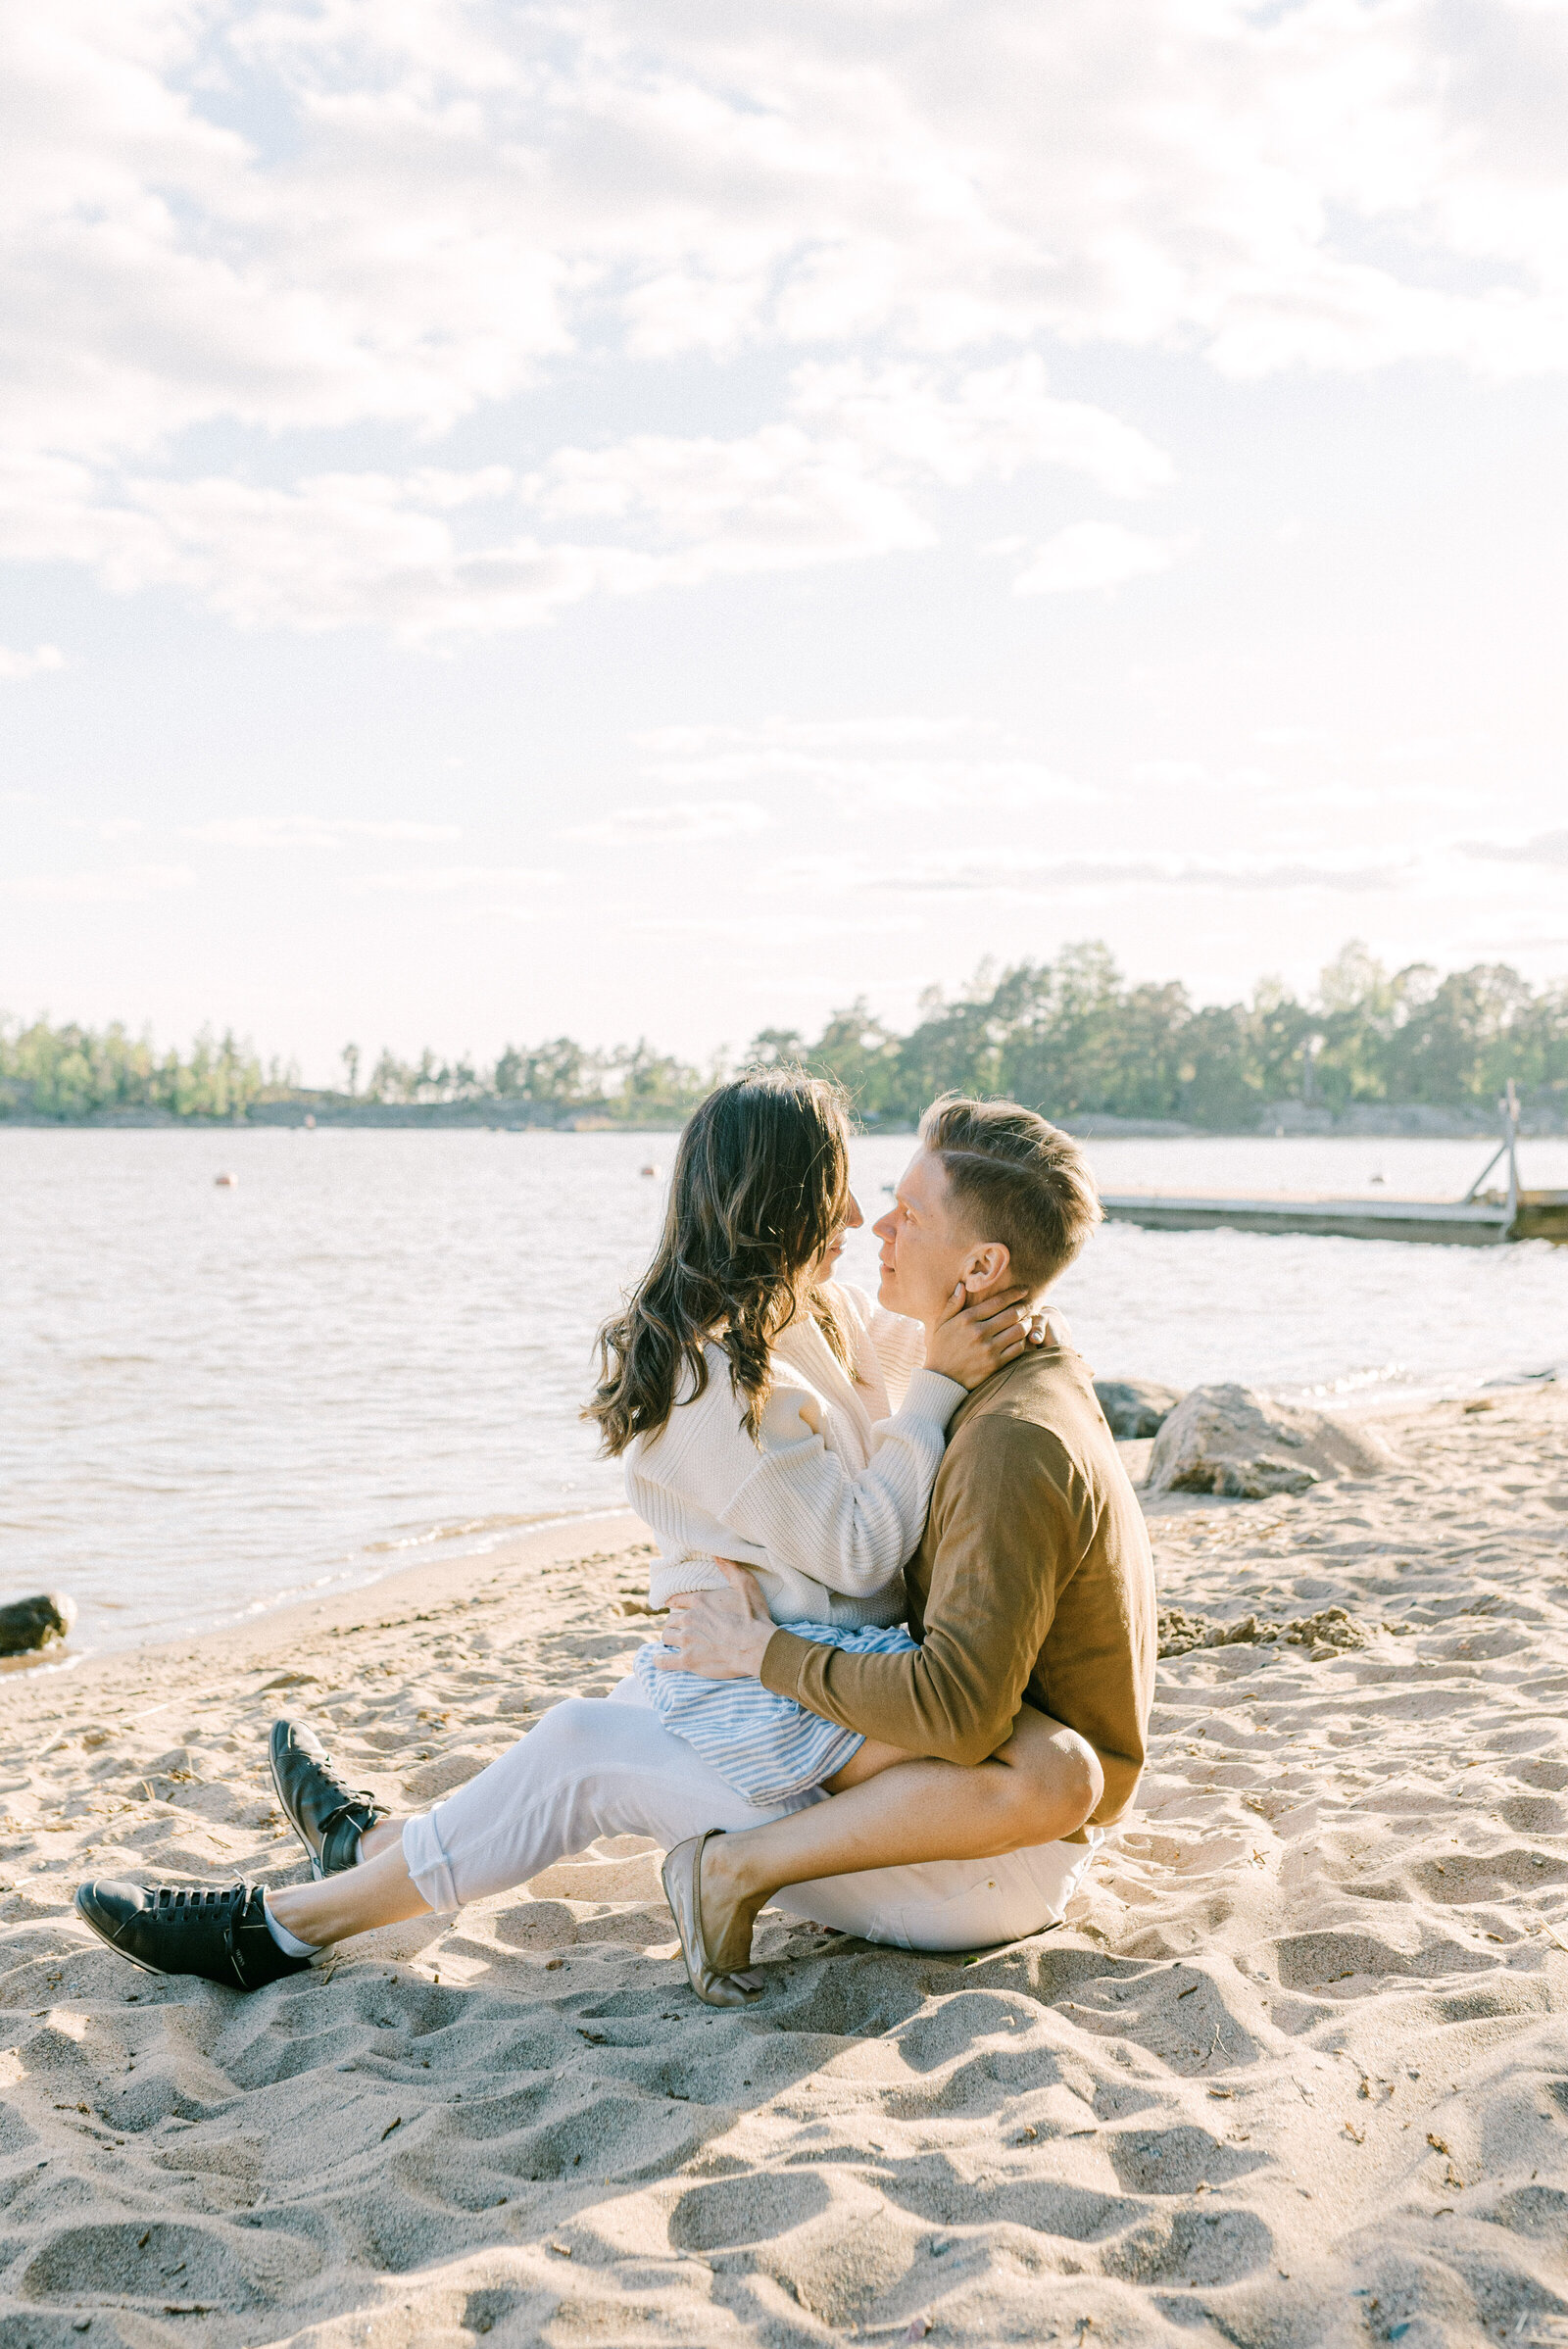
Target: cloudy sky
(612, 518)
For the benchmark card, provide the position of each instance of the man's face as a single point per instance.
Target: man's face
(926, 1251)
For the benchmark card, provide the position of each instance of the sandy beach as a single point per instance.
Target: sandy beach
(1295, 2071)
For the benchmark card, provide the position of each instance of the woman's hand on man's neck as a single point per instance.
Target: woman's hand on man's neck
(975, 1337)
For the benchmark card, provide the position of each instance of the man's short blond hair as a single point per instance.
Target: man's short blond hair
(1016, 1179)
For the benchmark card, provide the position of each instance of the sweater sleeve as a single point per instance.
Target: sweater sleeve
(805, 1507)
(798, 1503)
(1002, 1543)
(900, 1345)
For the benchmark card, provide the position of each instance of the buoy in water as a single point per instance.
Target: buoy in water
(652, 1172)
(227, 1182)
(310, 1121)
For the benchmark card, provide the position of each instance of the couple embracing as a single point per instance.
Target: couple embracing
(819, 1471)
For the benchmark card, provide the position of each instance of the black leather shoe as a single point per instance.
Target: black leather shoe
(328, 1816)
(220, 1935)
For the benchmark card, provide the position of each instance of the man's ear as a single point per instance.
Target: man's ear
(986, 1267)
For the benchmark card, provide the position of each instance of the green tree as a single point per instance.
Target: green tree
(858, 1052)
(776, 1047)
(1468, 1037)
(650, 1084)
(1069, 1036)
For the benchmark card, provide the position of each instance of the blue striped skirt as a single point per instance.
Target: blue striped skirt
(766, 1746)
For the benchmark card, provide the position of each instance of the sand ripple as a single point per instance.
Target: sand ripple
(1297, 2072)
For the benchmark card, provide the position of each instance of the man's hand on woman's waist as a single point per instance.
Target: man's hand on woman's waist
(722, 1635)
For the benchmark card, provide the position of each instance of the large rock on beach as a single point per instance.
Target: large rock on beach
(1135, 1408)
(29, 1622)
(1229, 1440)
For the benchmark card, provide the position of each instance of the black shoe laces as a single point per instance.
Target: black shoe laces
(362, 1801)
(187, 1901)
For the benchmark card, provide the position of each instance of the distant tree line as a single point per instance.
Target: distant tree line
(1070, 1036)
(74, 1072)
(632, 1082)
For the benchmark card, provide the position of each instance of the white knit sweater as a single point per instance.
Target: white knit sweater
(827, 1503)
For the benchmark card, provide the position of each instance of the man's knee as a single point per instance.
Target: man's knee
(1060, 1790)
(1085, 1779)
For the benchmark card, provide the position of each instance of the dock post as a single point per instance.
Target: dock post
(1499, 1153)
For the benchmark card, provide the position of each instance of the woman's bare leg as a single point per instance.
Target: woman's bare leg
(869, 1761)
(379, 1891)
(378, 1838)
(1040, 1785)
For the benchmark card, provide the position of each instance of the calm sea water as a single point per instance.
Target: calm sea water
(375, 1345)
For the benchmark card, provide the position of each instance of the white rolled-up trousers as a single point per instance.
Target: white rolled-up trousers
(608, 1766)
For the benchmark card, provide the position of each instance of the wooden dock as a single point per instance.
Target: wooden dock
(1325, 1218)
(1481, 1219)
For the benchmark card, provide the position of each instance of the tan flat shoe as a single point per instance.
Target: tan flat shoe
(681, 1876)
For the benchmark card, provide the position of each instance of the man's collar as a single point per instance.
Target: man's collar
(994, 1386)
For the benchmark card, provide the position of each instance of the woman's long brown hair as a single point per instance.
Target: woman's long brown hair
(760, 1189)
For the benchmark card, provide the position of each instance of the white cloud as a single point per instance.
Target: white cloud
(1320, 791)
(1050, 877)
(1422, 750)
(992, 423)
(163, 268)
(1293, 738)
(117, 885)
(1547, 848)
(435, 193)
(788, 929)
(334, 551)
(678, 821)
(1174, 774)
(1047, 877)
(869, 763)
(16, 666)
(775, 500)
(842, 477)
(443, 880)
(1089, 555)
(842, 480)
(867, 734)
(262, 219)
(310, 831)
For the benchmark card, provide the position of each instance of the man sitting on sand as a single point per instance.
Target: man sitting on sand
(1031, 1603)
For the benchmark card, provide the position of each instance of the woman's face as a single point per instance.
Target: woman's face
(822, 1269)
